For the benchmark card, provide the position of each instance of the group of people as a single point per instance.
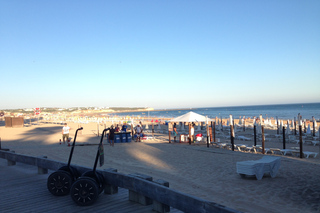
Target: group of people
(112, 130)
(175, 132)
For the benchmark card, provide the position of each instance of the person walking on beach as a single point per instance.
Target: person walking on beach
(175, 133)
(65, 132)
(111, 135)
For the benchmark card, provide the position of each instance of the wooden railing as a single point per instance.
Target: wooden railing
(135, 183)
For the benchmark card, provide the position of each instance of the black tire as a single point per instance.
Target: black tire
(59, 183)
(84, 191)
(73, 171)
(98, 177)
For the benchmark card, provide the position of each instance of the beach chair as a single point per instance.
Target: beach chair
(241, 147)
(258, 168)
(286, 151)
(292, 139)
(306, 154)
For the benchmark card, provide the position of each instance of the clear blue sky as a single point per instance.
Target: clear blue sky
(159, 53)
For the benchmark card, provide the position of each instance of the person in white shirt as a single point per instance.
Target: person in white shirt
(65, 132)
(138, 132)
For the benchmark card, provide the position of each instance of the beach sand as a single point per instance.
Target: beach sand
(208, 173)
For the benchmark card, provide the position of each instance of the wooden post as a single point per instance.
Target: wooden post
(255, 134)
(189, 134)
(231, 133)
(262, 131)
(208, 135)
(170, 129)
(108, 188)
(139, 198)
(157, 206)
(300, 137)
(295, 126)
(277, 125)
(284, 136)
(211, 132)
(214, 131)
(314, 130)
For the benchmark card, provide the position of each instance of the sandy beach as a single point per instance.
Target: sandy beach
(208, 173)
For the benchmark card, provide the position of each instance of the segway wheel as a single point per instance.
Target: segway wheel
(59, 183)
(84, 191)
(98, 177)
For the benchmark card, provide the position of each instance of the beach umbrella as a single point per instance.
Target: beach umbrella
(147, 127)
(281, 125)
(234, 130)
(288, 131)
(220, 126)
(308, 130)
(259, 130)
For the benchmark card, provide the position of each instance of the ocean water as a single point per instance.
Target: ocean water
(283, 111)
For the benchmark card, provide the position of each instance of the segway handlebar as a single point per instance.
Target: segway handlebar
(73, 144)
(97, 156)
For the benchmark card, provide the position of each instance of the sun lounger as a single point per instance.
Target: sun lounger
(240, 137)
(251, 148)
(241, 147)
(286, 151)
(267, 164)
(306, 153)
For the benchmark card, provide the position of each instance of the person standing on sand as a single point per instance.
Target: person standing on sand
(111, 135)
(192, 132)
(138, 132)
(65, 132)
(175, 133)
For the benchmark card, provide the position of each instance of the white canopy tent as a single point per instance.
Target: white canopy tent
(191, 117)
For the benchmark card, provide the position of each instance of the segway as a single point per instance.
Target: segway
(60, 182)
(87, 188)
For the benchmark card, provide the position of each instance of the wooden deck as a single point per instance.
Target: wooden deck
(22, 189)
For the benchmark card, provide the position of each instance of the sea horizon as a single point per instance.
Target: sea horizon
(282, 111)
